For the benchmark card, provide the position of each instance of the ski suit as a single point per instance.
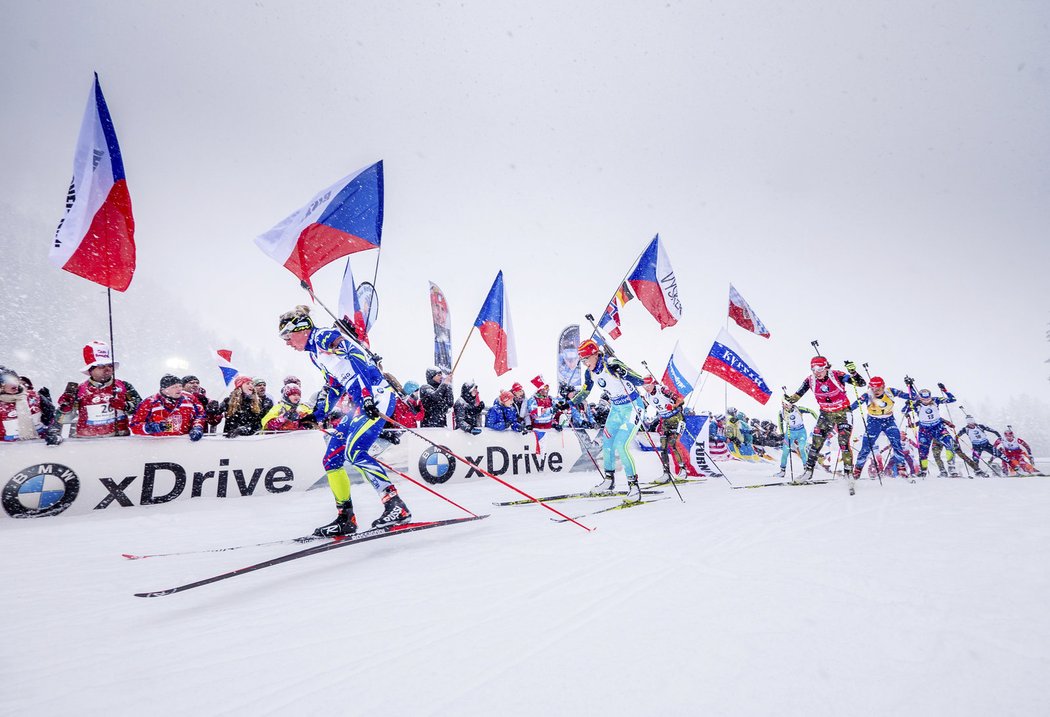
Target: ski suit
(830, 393)
(669, 414)
(979, 442)
(880, 420)
(347, 371)
(1017, 456)
(933, 428)
(625, 411)
(794, 432)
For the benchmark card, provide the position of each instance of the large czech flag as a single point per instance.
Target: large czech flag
(496, 329)
(96, 237)
(729, 362)
(681, 375)
(340, 220)
(654, 284)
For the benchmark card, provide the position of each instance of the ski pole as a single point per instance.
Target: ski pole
(864, 421)
(425, 487)
(446, 450)
(666, 437)
(980, 459)
(958, 445)
(784, 426)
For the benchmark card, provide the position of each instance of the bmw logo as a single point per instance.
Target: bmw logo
(436, 466)
(41, 490)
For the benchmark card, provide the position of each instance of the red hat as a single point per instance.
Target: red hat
(877, 382)
(506, 396)
(97, 353)
(588, 347)
(818, 362)
(241, 380)
(517, 387)
(539, 383)
(648, 380)
(290, 388)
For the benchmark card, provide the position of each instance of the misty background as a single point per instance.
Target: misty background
(875, 176)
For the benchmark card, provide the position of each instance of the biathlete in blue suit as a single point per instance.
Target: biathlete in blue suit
(625, 412)
(879, 403)
(347, 370)
(794, 430)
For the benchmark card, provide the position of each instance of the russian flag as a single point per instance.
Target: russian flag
(224, 357)
(350, 305)
(681, 375)
(654, 284)
(729, 362)
(96, 237)
(741, 312)
(496, 329)
(342, 219)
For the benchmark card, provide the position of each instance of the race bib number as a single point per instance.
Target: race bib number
(100, 414)
(11, 430)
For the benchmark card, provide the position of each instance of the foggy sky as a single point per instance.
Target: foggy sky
(872, 175)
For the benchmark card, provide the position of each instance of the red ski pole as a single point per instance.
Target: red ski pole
(484, 472)
(424, 486)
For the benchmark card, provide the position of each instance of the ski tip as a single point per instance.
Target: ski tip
(158, 593)
(129, 556)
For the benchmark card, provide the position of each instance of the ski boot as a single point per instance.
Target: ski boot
(608, 483)
(781, 473)
(982, 473)
(807, 475)
(345, 522)
(857, 470)
(634, 492)
(394, 510)
(942, 473)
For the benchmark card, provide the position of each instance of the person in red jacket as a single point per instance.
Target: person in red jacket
(169, 413)
(408, 411)
(1015, 452)
(102, 403)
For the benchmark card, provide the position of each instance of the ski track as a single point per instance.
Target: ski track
(904, 599)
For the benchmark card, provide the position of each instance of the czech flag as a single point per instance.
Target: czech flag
(96, 237)
(224, 357)
(496, 329)
(654, 284)
(680, 375)
(350, 305)
(694, 431)
(729, 362)
(743, 315)
(343, 219)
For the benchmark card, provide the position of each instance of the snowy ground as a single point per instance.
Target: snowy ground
(925, 599)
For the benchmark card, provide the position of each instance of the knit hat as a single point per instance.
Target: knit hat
(259, 381)
(241, 380)
(517, 387)
(292, 379)
(191, 377)
(97, 353)
(167, 380)
(410, 387)
(506, 396)
(289, 389)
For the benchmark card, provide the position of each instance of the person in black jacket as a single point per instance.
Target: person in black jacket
(437, 399)
(469, 409)
(242, 409)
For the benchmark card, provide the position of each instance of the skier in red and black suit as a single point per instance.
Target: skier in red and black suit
(829, 388)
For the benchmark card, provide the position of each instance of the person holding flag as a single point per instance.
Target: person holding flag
(347, 370)
(829, 388)
(625, 412)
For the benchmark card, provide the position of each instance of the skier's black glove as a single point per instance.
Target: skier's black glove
(941, 386)
(909, 381)
(368, 405)
(851, 367)
(557, 427)
(617, 370)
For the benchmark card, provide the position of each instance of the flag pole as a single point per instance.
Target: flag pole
(112, 357)
(453, 371)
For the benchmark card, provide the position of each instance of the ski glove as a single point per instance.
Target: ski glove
(475, 431)
(851, 367)
(154, 427)
(368, 405)
(909, 381)
(557, 427)
(941, 386)
(196, 433)
(52, 437)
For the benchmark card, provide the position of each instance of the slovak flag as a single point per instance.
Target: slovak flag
(496, 329)
(350, 305)
(680, 375)
(342, 219)
(224, 357)
(96, 237)
(654, 284)
(743, 315)
(729, 362)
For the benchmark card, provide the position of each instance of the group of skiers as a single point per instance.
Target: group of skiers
(359, 403)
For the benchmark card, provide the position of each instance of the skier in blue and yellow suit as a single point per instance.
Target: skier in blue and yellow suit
(347, 370)
(625, 412)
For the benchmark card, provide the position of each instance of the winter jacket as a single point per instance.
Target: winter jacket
(102, 409)
(286, 416)
(469, 409)
(20, 416)
(408, 412)
(436, 399)
(244, 421)
(502, 418)
(159, 415)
